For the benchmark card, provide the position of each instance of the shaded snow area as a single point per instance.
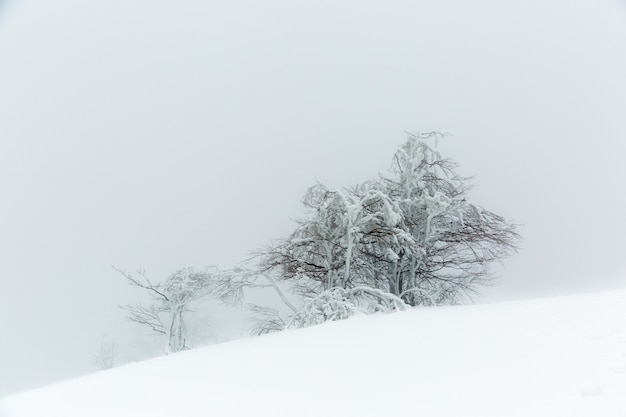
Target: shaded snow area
(547, 357)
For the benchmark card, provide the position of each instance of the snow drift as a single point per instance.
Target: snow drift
(548, 357)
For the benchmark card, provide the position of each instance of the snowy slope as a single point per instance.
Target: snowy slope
(548, 357)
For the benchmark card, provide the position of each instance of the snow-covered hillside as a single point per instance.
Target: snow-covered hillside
(548, 357)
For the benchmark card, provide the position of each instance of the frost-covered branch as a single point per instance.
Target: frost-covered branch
(266, 320)
(340, 304)
(146, 316)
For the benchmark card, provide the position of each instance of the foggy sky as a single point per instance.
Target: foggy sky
(175, 134)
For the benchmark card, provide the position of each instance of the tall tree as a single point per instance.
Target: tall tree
(456, 239)
(413, 234)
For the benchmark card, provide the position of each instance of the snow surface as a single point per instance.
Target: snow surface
(547, 357)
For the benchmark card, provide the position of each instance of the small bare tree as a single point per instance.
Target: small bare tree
(105, 356)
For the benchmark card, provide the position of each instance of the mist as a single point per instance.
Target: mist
(185, 134)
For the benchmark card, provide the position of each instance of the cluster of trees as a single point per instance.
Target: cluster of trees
(411, 238)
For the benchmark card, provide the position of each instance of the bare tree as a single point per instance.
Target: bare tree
(105, 356)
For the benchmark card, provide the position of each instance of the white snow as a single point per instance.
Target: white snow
(547, 357)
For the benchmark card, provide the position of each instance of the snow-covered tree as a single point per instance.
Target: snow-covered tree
(326, 249)
(413, 235)
(170, 302)
(456, 239)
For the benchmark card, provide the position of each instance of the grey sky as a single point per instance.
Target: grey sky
(185, 133)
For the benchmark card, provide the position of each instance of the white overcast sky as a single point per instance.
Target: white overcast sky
(163, 134)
